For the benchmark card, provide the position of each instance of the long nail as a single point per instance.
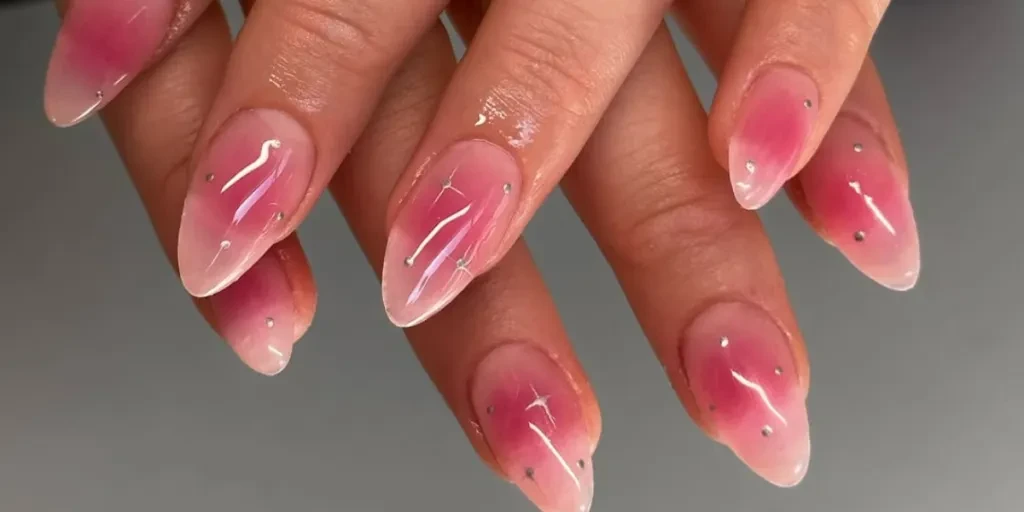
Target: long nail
(448, 229)
(244, 192)
(101, 46)
(532, 420)
(772, 128)
(741, 372)
(861, 205)
(256, 316)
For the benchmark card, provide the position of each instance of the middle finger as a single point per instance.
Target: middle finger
(302, 82)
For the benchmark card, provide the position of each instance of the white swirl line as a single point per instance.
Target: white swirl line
(264, 156)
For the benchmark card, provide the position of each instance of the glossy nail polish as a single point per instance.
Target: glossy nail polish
(861, 205)
(256, 316)
(532, 420)
(448, 229)
(101, 46)
(244, 192)
(741, 373)
(772, 128)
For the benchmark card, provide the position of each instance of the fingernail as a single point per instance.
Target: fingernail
(860, 204)
(101, 46)
(532, 420)
(448, 229)
(772, 128)
(256, 316)
(741, 372)
(244, 192)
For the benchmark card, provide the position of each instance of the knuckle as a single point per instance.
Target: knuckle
(551, 58)
(346, 33)
(674, 210)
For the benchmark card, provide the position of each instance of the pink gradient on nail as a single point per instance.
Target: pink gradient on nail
(860, 204)
(741, 372)
(256, 315)
(244, 192)
(101, 46)
(532, 420)
(772, 128)
(448, 229)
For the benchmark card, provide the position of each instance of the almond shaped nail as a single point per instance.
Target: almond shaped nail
(860, 204)
(532, 420)
(448, 229)
(101, 47)
(741, 373)
(772, 128)
(244, 192)
(256, 316)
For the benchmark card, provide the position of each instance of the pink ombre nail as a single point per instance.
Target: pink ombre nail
(860, 204)
(448, 229)
(532, 420)
(101, 46)
(772, 128)
(244, 192)
(741, 372)
(256, 315)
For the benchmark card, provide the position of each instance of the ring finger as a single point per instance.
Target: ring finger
(697, 269)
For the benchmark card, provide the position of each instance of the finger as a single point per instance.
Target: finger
(499, 354)
(789, 70)
(854, 191)
(103, 45)
(697, 269)
(530, 89)
(153, 124)
(300, 86)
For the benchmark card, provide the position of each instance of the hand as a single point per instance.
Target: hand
(305, 75)
(695, 267)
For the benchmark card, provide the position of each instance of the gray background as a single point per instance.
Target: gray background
(116, 397)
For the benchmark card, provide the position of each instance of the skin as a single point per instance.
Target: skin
(691, 261)
(535, 83)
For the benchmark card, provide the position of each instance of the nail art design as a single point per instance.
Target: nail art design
(448, 229)
(244, 190)
(741, 372)
(532, 420)
(256, 316)
(860, 204)
(101, 46)
(771, 132)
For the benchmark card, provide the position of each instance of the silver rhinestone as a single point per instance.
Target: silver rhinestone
(858, 147)
(808, 103)
(279, 216)
(507, 188)
(529, 473)
(446, 183)
(859, 236)
(582, 464)
(490, 409)
(409, 261)
(460, 263)
(224, 244)
(724, 341)
(751, 166)
(270, 322)
(766, 431)
(210, 177)
(778, 370)
(99, 95)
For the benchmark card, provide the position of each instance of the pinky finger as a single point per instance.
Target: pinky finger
(153, 125)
